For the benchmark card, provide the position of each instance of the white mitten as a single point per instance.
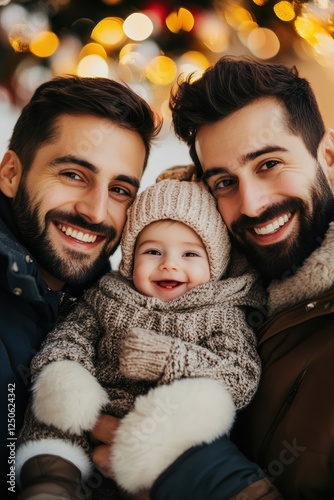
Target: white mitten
(165, 423)
(67, 396)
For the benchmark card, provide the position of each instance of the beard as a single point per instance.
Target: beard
(282, 259)
(72, 267)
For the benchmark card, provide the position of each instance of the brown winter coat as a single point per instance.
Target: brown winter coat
(289, 427)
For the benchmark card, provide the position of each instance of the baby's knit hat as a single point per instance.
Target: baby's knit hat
(183, 201)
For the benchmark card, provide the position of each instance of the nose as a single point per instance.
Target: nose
(93, 205)
(169, 264)
(255, 197)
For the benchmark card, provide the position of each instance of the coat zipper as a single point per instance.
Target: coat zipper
(279, 417)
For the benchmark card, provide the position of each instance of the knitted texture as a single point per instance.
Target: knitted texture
(203, 333)
(182, 201)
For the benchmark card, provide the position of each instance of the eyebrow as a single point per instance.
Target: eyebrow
(86, 164)
(244, 159)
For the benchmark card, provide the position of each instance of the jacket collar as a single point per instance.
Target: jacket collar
(314, 277)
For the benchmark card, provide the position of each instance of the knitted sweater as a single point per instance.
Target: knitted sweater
(131, 343)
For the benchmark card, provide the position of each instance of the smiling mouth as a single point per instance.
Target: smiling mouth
(274, 226)
(77, 234)
(169, 284)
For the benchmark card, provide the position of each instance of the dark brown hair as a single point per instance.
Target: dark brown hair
(74, 95)
(235, 82)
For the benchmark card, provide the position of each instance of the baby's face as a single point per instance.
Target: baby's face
(170, 259)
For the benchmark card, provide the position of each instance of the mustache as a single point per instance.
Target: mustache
(275, 210)
(76, 220)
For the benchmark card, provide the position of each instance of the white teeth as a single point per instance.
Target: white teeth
(78, 235)
(273, 226)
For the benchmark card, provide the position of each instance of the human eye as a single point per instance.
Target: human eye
(123, 193)
(269, 164)
(224, 183)
(152, 251)
(222, 186)
(120, 190)
(71, 175)
(190, 254)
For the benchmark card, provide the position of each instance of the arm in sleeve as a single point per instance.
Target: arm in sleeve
(217, 471)
(228, 355)
(64, 374)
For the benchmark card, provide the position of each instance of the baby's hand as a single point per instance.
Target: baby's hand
(144, 354)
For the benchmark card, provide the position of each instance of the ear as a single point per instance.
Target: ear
(10, 174)
(326, 150)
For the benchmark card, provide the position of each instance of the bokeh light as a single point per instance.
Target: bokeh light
(138, 26)
(44, 44)
(109, 32)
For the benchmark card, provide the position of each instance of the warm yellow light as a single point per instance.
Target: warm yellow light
(93, 65)
(213, 32)
(237, 16)
(109, 32)
(284, 11)
(93, 48)
(180, 20)
(260, 2)
(44, 44)
(161, 70)
(245, 29)
(263, 43)
(19, 37)
(193, 62)
(138, 26)
(305, 27)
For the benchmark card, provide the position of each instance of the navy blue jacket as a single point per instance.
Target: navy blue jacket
(216, 471)
(28, 310)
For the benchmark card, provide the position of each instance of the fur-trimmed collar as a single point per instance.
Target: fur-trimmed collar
(315, 276)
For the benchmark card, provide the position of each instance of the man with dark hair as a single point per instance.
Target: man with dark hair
(258, 140)
(73, 167)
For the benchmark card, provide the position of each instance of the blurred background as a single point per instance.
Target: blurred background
(150, 45)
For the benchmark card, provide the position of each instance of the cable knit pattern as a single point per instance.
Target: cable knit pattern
(210, 335)
(314, 277)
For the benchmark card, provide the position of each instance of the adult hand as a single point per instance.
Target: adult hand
(104, 432)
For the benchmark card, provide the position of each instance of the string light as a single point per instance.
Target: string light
(152, 46)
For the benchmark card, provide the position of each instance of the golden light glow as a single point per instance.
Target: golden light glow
(138, 26)
(180, 20)
(44, 44)
(112, 2)
(93, 65)
(284, 11)
(263, 43)
(93, 48)
(237, 16)
(245, 30)
(109, 32)
(19, 37)
(193, 62)
(305, 27)
(161, 70)
(213, 32)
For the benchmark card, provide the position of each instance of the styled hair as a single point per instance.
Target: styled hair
(235, 82)
(74, 95)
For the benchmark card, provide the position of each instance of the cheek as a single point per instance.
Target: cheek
(117, 216)
(227, 210)
(140, 277)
